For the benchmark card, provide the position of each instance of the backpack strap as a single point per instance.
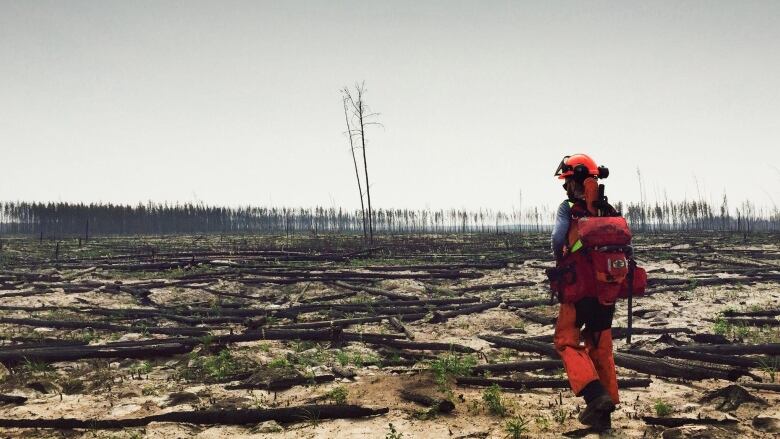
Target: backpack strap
(578, 210)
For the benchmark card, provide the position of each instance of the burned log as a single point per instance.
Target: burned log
(619, 332)
(537, 318)
(375, 291)
(206, 417)
(759, 313)
(736, 349)
(528, 303)
(50, 355)
(519, 366)
(330, 323)
(520, 344)
(12, 399)
(665, 367)
(343, 372)
(731, 397)
(689, 369)
(437, 404)
(79, 324)
(537, 383)
(677, 422)
(284, 383)
(710, 338)
(423, 346)
(771, 387)
(328, 298)
(399, 326)
(443, 316)
(496, 286)
(731, 360)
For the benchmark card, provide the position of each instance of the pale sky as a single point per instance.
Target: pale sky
(237, 102)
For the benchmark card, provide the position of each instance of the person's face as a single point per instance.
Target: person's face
(569, 186)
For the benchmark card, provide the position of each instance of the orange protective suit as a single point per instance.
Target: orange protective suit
(583, 364)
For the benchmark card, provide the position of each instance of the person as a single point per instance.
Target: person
(590, 367)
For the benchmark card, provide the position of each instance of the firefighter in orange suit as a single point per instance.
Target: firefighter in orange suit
(590, 367)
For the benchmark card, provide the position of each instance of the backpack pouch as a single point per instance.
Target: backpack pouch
(610, 269)
(577, 278)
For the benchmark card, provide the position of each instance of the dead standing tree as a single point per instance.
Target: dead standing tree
(345, 98)
(362, 118)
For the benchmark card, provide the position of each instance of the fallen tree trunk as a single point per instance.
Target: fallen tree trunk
(519, 366)
(375, 291)
(399, 326)
(731, 360)
(12, 399)
(537, 318)
(536, 383)
(677, 422)
(423, 346)
(437, 404)
(78, 324)
(51, 355)
(528, 303)
(772, 387)
(520, 344)
(385, 307)
(496, 286)
(443, 316)
(280, 383)
(329, 323)
(760, 313)
(329, 298)
(688, 369)
(735, 349)
(206, 417)
(29, 343)
(619, 332)
(665, 367)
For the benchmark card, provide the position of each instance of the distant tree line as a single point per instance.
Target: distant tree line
(77, 219)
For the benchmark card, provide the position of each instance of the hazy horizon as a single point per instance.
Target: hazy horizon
(237, 103)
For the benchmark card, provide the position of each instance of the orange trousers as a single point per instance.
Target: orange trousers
(586, 363)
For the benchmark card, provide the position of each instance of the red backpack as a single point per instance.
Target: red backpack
(599, 263)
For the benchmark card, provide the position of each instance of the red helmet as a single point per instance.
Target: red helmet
(580, 166)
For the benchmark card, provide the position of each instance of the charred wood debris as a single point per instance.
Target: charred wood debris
(258, 292)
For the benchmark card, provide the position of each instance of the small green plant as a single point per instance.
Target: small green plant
(218, 366)
(662, 408)
(36, 368)
(142, 368)
(721, 327)
(279, 363)
(560, 415)
(493, 401)
(207, 340)
(392, 433)
(338, 395)
(343, 358)
(516, 427)
(450, 365)
(770, 366)
(543, 422)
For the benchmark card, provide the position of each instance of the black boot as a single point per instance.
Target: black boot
(598, 402)
(596, 409)
(603, 423)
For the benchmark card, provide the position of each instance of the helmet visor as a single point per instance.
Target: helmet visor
(562, 167)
